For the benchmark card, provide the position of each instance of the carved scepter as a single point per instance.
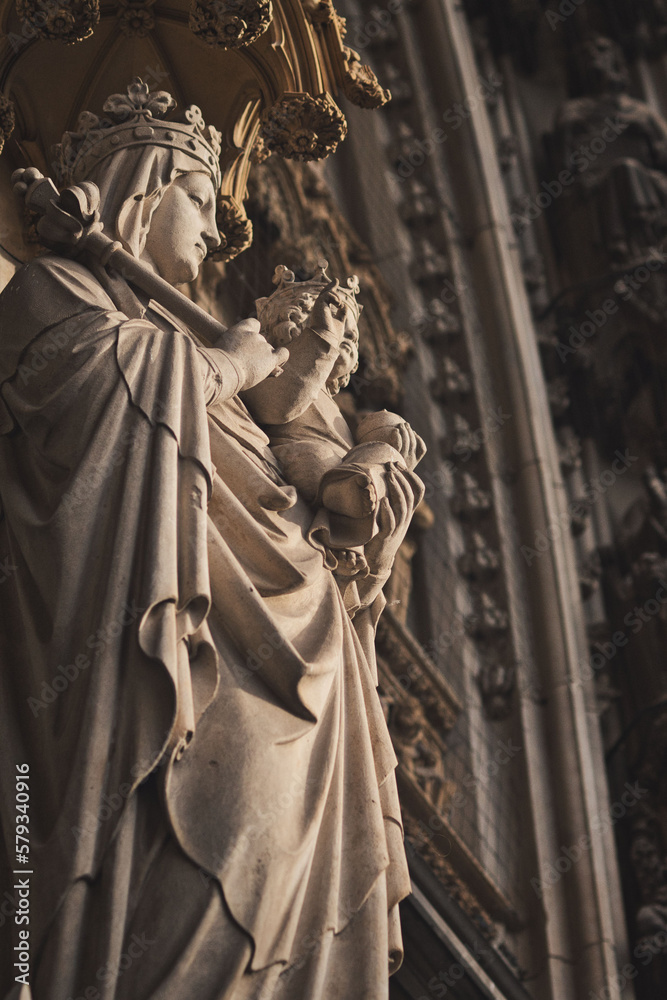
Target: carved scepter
(69, 223)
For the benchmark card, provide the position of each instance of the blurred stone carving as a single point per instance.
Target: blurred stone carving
(235, 229)
(470, 500)
(616, 148)
(360, 84)
(64, 20)
(496, 681)
(302, 127)
(136, 18)
(230, 24)
(7, 120)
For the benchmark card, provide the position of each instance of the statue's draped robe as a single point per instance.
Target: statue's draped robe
(213, 804)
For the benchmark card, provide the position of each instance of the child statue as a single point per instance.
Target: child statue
(340, 473)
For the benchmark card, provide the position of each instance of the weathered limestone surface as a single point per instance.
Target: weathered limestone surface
(194, 692)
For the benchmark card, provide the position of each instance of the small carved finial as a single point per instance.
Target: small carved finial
(64, 21)
(302, 127)
(259, 153)
(360, 84)
(282, 274)
(230, 24)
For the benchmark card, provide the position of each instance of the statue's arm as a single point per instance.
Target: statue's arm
(240, 359)
(277, 401)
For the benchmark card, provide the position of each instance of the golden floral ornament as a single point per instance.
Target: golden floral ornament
(360, 84)
(60, 20)
(136, 18)
(7, 120)
(302, 127)
(235, 229)
(230, 24)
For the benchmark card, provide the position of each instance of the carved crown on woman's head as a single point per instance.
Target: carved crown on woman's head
(284, 312)
(131, 120)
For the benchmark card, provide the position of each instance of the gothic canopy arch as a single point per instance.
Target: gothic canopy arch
(262, 71)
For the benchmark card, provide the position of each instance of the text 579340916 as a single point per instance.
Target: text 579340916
(22, 885)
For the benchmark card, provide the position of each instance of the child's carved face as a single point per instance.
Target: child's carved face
(348, 356)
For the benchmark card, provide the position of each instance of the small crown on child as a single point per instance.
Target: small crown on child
(289, 287)
(284, 313)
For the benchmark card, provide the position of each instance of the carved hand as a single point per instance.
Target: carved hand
(327, 317)
(394, 516)
(406, 441)
(250, 353)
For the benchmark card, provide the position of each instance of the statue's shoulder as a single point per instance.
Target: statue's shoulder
(48, 290)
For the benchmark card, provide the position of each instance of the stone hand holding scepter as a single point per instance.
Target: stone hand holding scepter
(69, 224)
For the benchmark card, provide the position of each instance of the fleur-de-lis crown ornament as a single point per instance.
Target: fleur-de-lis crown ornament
(136, 118)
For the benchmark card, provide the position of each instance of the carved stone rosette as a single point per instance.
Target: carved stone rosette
(7, 120)
(235, 229)
(230, 24)
(360, 84)
(302, 127)
(63, 21)
(135, 17)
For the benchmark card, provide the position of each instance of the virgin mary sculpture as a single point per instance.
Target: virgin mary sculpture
(213, 811)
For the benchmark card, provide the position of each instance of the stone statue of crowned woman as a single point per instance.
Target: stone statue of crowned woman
(186, 637)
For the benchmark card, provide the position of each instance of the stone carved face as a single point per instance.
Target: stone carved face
(183, 228)
(348, 358)
(604, 65)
